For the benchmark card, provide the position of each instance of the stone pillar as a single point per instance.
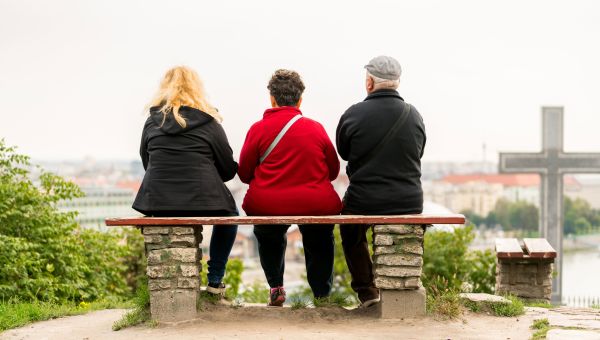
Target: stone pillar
(527, 277)
(173, 271)
(397, 266)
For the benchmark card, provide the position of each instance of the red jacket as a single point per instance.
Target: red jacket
(295, 179)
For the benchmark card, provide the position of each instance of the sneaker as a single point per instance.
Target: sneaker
(276, 297)
(369, 303)
(216, 288)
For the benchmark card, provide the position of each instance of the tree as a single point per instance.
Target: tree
(579, 216)
(473, 217)
(44, 254)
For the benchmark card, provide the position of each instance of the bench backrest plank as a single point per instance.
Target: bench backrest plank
(250, 220)
(508, 248)
(539, 247)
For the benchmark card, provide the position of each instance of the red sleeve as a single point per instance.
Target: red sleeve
(249, 156)
(331, 157)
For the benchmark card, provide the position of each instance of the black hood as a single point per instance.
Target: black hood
(193, 118)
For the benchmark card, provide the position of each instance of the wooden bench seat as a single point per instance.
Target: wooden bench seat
(173, 253)
(533, 247)
(250, 220)
(539, 247)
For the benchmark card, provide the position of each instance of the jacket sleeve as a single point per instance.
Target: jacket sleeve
(144, 147)
(249, 157)
(422, 128)
(424, 142)
(331, 158)
(342, 136)
(224, 162)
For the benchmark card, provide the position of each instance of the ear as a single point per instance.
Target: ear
(369, 84)
(273, 102)
(299, 103)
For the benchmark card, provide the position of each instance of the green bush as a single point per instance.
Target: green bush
(448, 263)
(44, 254)
(257, 292)
(233, 277)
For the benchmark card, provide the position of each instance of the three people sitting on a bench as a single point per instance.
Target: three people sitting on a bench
(289, 163)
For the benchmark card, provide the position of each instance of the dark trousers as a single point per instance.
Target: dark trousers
(358, 258)
(318, 244)
(221, 240)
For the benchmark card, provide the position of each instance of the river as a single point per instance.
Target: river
(581, 274)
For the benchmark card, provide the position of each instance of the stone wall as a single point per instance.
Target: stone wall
(173, 271)
(528, 278)
(397, 267)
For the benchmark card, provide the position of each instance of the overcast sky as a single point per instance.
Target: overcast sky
(75, 75)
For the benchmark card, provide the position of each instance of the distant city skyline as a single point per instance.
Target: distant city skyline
(76, 75)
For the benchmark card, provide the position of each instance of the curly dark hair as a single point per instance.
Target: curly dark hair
(286, 87)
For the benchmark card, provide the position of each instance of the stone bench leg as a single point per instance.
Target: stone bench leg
(397, 266)
(528, 278)
(173, 271)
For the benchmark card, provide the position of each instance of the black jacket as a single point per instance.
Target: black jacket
(185, 167)
(390, 183)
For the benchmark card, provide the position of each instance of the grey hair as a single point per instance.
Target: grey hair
(380, 83)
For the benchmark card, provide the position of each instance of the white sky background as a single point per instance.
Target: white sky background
(76, 75)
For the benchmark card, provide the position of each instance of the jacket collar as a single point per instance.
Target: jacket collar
(384, 93)
(282, 109)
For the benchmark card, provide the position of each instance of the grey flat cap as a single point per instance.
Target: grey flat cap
(384, 67)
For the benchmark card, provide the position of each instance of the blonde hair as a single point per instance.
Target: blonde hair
(181, 86)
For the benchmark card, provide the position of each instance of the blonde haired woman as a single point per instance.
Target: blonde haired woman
(187, 159)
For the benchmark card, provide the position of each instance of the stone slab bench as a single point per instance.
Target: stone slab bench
(172, 250)
(525, 270)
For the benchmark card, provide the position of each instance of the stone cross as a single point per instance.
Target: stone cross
(551, 164)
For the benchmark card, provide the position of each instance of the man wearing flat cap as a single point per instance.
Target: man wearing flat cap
(383, 139)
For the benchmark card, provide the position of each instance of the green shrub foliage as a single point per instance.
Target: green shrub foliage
(44, 254)
(233, 277)
(448, 263)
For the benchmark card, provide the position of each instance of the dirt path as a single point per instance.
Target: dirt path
(322, 323)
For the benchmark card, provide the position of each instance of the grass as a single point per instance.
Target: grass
(446, 305)
(595, 306)
(541, 327)
(205, 297)
(538, 303)
(472, 306)
(16, 313)
(134, 317)
(301, 299)
(336, 299)
(299, 302)
(140, 312)
(514, 308)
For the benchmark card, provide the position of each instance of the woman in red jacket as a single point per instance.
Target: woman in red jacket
(289, 162)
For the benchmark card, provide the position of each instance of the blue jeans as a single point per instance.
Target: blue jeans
(221, 241)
